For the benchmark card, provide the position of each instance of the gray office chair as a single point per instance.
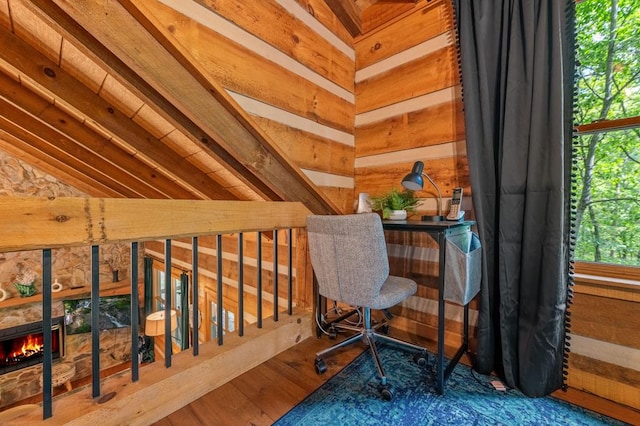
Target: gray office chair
(349, 259)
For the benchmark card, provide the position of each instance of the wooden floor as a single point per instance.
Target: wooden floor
(265, 393)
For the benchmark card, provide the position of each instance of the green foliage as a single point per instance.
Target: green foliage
(395, 200)
(83, 328)
(608, 163)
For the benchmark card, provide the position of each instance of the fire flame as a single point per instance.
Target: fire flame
(31, 346)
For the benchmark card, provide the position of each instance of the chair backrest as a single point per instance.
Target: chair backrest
(349, 256)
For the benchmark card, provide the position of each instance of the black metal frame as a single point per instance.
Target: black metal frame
(440, 231)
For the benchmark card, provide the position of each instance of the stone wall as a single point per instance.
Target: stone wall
(71, 267)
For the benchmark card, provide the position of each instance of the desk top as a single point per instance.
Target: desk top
(424, 226)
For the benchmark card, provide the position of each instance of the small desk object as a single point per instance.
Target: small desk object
(439, 231)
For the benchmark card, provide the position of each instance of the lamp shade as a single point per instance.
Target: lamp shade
(154, 323)
(413, 181)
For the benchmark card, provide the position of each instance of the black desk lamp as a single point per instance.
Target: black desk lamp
(414, 182)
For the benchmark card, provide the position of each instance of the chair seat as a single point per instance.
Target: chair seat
(393, 291)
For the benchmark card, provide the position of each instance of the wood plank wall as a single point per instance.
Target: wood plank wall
(605, 342)
(285, 67)
(408, 108)
(408, 104)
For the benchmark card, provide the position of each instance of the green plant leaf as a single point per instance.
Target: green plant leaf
(395, 200)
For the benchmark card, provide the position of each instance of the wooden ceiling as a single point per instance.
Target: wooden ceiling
(82, 98)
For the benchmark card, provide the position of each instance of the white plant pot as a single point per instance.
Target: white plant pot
(398, 215)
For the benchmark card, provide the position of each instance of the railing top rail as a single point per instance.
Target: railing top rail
(30, 223)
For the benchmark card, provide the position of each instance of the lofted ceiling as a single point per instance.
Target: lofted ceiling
(82, 98)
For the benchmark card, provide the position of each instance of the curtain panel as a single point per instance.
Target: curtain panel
(516, 63)
(183, 320)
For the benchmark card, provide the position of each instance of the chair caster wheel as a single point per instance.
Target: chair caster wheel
(321, 366)
(333, 334)
(387, 392)
(421, 359)
(385, 329)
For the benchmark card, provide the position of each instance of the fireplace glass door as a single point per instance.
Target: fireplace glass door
(23, 346)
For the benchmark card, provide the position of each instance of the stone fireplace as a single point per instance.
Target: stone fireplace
(22, 346)
(70, 266)
(19, 384)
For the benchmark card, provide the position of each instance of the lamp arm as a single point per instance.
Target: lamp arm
(439, 193)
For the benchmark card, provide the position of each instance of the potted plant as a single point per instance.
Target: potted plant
(395, 204)
(25, 282)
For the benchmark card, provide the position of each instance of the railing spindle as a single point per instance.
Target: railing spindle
(290, 273)
(135, 316)
(167, 303)
(259, 283)
(196, 312)
(240, 321)
(95, 318)
(47, 362)
(275, 275)
(219, 300)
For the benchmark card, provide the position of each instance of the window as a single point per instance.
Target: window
(228, 320)
(176, 301)
(607, 119)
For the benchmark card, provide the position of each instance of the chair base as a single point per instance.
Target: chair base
(369, 335)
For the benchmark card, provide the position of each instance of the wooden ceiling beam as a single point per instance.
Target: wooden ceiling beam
(57, 81)
(18, 147)
(347, 13)
(195, 105)
(15, 121)
(87, 146)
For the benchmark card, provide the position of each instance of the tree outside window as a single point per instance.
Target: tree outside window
(607, 119)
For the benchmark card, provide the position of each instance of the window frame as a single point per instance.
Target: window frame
(613, 274)
(608, 275)
(599, 269)
(157, 284)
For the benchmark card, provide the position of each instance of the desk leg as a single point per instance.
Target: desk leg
(465, 332)
(443, 371)
(441, 319)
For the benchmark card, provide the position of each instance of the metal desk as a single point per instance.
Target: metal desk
(439, 231)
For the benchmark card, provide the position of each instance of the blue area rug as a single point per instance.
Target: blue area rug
(352, 398)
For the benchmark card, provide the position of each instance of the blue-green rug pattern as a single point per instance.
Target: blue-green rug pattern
(352, 398)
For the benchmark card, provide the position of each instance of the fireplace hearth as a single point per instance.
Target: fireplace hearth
(23, 346)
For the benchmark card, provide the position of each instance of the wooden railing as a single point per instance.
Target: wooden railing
(32, 223)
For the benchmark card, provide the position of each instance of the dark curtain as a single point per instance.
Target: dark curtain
(148, 286)
(516, 59)
(184, 310)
